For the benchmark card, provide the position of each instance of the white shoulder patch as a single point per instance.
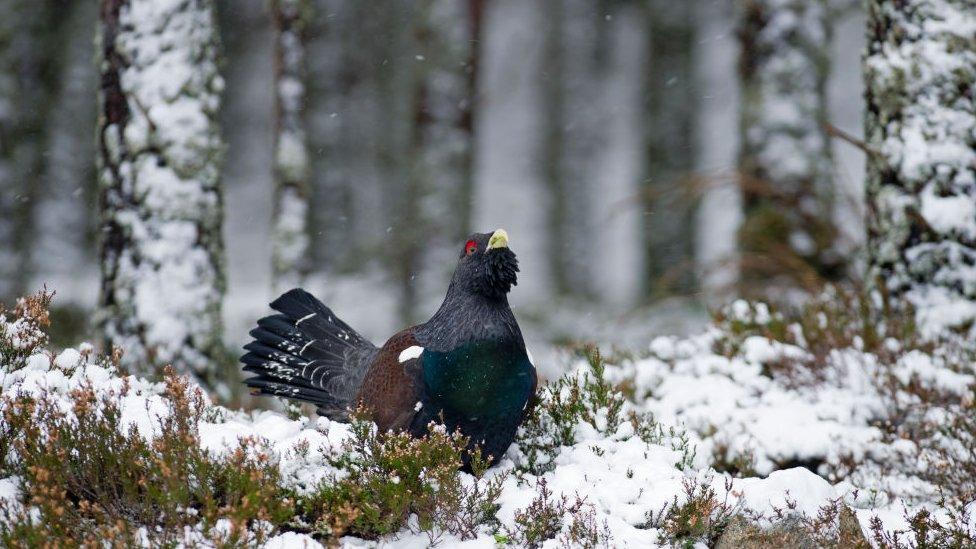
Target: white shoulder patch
(529, 354)
(410, 353)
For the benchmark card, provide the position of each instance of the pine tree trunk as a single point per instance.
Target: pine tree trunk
(919, 71)
(670, 194)
(511, 189)
(553, 144)
(573, 78)
(445, 38)
(331, 82)
(464, 199)
(290, 234)
(787, 234)
(426, 152)
(615, 207)
(64, 215)
(158, 158)
(28, 37)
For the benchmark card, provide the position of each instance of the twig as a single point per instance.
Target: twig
(834, 131)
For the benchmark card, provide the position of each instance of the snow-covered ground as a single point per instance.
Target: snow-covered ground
(623, 478)
(798, 436)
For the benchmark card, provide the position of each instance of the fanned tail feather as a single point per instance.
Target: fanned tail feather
(307, 353)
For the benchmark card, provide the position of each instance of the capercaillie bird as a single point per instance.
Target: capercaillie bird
(466, 367)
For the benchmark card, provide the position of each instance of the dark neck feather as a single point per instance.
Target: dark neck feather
(467, 316)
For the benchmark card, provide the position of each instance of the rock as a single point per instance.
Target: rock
(743, 533)
(850, 532)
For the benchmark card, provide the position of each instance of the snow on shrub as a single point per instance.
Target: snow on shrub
(88, 454)
(840, 386)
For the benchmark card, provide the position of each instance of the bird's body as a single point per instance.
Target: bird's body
(466, 367)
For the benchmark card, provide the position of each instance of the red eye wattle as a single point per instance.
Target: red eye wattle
(470, 247)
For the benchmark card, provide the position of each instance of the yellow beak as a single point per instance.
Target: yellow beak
(499, 239)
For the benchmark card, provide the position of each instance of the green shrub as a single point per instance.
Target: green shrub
(91, 479)
(545, 519)
(22, 330)
(385, 477)
(738, 464)
(700, 517)
(573, 399)
(839, 317)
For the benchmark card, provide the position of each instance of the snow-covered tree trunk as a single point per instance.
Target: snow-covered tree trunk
(290, 234)
(784, 158)
(920, 73)
(670, 193)
(159, 175)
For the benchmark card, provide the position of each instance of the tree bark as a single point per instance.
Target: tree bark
(670, 194)
(427, 153)
(28, 37)
(159, 175)
(290, 233)
(64, 215)
(785, 169)
(919, 72)
(575, 78)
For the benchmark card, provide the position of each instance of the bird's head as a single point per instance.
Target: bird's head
(487, 266)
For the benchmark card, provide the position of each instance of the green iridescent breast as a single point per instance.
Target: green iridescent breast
(479, 379)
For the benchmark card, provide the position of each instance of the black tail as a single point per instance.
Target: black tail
(306, 353)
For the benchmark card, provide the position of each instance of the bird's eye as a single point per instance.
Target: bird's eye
(470, 247)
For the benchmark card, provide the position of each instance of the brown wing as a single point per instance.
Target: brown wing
(390, 390)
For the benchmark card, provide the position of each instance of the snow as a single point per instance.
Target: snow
(784, 488)
(919, 62)
(731, 403)
(949, 214)
(8, 489)
(292, 540)
(721, 400)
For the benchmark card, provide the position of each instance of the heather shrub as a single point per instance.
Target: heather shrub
(570, 521)
(839, 317)
(699, 516)
(22, 330)
(385, 477)
(588, 397)
(85, 476)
